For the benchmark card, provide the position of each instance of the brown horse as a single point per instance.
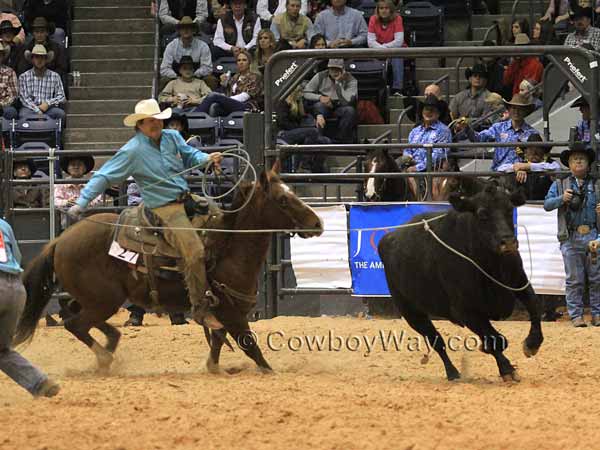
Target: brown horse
(100, 284)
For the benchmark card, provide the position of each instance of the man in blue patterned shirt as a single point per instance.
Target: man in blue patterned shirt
(40, 89)
(430, 131)
(515, 129)
(583, 126)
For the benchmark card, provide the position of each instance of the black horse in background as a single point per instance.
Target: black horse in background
(386, 189)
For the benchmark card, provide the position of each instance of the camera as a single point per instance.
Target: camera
(577, 201)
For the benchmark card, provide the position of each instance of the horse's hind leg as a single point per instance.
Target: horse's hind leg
(80, 326)
(112, 336)
(246, 340)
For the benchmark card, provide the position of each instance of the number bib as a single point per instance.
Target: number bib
(119, 252)
(3, 253)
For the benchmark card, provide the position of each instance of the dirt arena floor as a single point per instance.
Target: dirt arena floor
(159, 395)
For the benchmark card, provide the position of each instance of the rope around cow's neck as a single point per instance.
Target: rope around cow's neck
(456, 252)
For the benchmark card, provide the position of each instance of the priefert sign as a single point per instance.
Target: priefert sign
(575, 70)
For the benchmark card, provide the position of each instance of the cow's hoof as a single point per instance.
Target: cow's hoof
(214, 368)
(529, 351)
(509, 377)
(266, 371)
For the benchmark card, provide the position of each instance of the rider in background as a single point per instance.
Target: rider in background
(155, 159)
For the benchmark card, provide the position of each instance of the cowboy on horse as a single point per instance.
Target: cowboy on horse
(155, 158)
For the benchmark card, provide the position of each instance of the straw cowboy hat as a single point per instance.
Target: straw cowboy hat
(521, 39)
(88, 162)
(522, 101)
(145, 109)
(39, 50)
(186, 21)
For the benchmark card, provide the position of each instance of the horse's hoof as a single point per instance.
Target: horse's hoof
(509, 377)
(529, 351)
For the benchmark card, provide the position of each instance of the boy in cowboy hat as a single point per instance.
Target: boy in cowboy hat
(429, 131)
(65, 195)
(41, 89)
(27, 196)
(186, 92)
(12, 303)
(8, 79)
(470, 103)
(576, 198)
(155, 159)
(511, 130)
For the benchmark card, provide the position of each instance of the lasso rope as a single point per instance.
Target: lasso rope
(456, 252)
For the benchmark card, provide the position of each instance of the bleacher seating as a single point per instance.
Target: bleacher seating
(371, 75)
(225, 64)
(203, 125)
(38, 129)
(232, 126)
(423, 24)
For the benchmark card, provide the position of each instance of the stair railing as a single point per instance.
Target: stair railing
(156, 66)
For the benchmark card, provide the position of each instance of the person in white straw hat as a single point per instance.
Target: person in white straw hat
(155, 158)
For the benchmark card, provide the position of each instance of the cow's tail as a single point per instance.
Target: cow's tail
(39, 284)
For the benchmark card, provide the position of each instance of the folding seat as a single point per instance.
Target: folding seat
(371, 75)
(38, 129)
(225, 64)
(232, 126)
(423, 24)
(203, 125)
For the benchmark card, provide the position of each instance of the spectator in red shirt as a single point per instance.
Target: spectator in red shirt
(387, 31)
(522, 68)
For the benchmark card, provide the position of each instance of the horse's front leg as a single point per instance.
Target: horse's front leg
(217, 339)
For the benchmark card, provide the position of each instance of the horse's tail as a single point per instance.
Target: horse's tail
(39, 284)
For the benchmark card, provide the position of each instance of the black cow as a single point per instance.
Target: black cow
(425, 278)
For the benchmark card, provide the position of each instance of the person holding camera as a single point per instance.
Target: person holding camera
(577, 199)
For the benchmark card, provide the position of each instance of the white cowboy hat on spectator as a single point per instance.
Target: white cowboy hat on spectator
(39, 50)
(145, 109)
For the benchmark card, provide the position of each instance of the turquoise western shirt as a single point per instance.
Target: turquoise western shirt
(13, 255)
(148, 165)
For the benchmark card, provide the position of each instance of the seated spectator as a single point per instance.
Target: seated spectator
(543, 33)
(532, 159)
(387, 31)
(557, 14)
(55, 12)
(317, 41)
(470, 103)
(430, 131)
(264, 50)
(291, 28)
(40, 89)
(243, 91)
(7, 36)
(519, 26)
(583, 126)
(27, 196)
(495, 73)
(342, 26)
(296, 127)
(8, 85)
(267, 9)
(178, 121)
(415, 115)
(522, 67)
(584, 32)
(188, 45)
(41, 30)
(171, 12)
(186, 92)
(530, 89)
(19, 36)
(65, 195)
(237, 31)
(512, 130)
(334, 93)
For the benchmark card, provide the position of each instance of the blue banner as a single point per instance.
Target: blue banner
(368, 277)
